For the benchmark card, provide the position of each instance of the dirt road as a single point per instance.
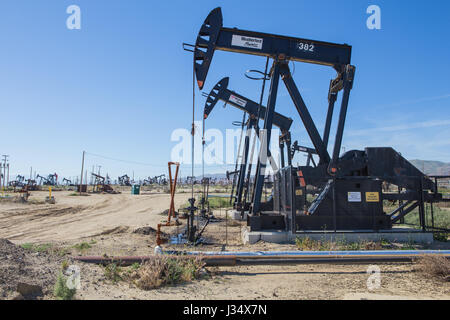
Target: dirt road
(74, 217)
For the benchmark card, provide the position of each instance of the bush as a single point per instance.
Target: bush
(434, 266)
(61, 291)
(82, 246)
(41, 248)
(167, 271)
(113, 272)
(441, 236)
(218, 203)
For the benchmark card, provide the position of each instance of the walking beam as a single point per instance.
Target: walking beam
(213, 36)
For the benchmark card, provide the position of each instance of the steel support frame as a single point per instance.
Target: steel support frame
(265, 138)
(241, 179)
(281, 69)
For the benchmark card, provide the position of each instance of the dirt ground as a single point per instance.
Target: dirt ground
(107, 223)
(75, 217)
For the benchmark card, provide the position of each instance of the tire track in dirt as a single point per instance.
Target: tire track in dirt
(75, 218)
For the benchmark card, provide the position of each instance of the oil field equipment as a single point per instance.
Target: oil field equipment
(347, 188)
(309, 151)
(31, 185)
(50, 180)
(18, 183)
(100, 184)
(161, 179)
(220, 92)
(204, 200)
(124, 180)
(173, 187)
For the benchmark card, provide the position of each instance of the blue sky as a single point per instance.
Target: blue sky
(120, 86)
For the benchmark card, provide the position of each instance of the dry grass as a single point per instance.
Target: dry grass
(308, 244)
(233, 223)
(434, 266)
(167, 271)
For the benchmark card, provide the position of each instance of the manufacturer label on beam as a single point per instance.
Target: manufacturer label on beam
(372, 197)
(247, 42)
(354, 197)
(238, 101)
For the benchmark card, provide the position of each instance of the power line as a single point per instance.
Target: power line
(125, 161)
(148, 164)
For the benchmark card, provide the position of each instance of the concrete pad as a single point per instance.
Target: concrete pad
(274, 236)
(236, 215)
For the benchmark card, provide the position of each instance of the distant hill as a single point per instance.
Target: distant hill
(432, 167)
(428, 167)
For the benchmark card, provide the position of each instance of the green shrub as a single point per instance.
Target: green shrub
(441, 236)
(218, 203)
(82, 246)
(113, 272)
(61, 291)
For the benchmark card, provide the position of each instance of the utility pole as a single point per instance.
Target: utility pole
(5, 158)
(82, 169)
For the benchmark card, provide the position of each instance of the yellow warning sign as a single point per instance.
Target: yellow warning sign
(372, 197)
(299, 192)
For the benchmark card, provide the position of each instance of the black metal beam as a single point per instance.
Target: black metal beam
(332, 97)
(239, 191)
(265, 142)
(405, 212)
(220, 92)
(348, 78)
(304, 114)
(212, 36)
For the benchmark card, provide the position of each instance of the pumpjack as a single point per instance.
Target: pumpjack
(349, 193)
(50, 180)
(18, 183)
(220, 92)
(101, 184)
(161, 179)
(31, 185)
(124, 180)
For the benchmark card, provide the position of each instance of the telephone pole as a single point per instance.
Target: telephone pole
(5, 159)
(81, 178)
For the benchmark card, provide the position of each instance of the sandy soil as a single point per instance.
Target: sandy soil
(311, 282)
(74, 217)
(107, 223)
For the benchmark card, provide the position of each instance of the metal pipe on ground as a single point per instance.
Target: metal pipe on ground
(280, 258)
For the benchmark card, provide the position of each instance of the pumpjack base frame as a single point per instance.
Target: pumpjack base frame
(274, 221)
(400, 235)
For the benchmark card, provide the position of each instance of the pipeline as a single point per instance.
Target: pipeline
(221, 259)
